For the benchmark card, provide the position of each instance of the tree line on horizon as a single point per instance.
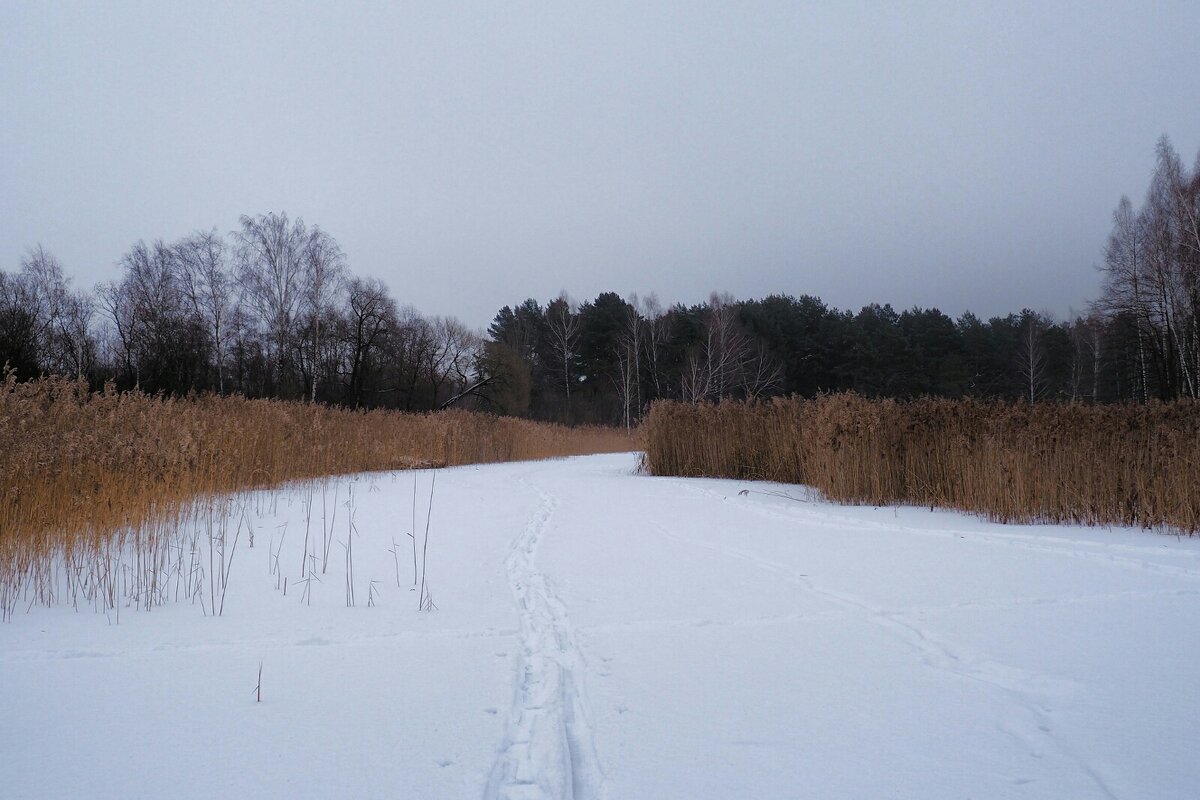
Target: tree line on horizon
(272, 310)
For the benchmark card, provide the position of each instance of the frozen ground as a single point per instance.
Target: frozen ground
(604, 634)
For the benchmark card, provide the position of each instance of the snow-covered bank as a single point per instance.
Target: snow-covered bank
(604, 634)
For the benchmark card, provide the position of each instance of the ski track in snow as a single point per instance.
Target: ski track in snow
(1023, 689)
(1034, 543)
(548, 752)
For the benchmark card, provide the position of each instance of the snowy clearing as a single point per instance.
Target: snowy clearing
(599, 633)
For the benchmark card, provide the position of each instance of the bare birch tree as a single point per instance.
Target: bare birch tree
(1031, 356)
(61, 317)
(655, 340)
(207, 284)
(563, 322)
(271, 262)
(1152, 274)
(324, 274)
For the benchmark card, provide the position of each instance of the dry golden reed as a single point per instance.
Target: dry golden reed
(1011, 462)
(77, 468)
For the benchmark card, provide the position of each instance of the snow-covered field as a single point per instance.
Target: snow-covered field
(604, 634)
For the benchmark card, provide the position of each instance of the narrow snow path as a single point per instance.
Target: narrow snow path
(548, 752)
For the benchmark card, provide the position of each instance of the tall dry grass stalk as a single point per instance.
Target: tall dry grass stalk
(93, 484)
(1097, 465)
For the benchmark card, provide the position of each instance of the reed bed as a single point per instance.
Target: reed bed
(92, 485)
(1133, 465)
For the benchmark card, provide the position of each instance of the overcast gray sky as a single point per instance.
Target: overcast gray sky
(958, 155)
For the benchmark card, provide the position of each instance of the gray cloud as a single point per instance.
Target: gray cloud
(952, 155)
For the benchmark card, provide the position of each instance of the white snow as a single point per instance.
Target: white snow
(602, 634)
